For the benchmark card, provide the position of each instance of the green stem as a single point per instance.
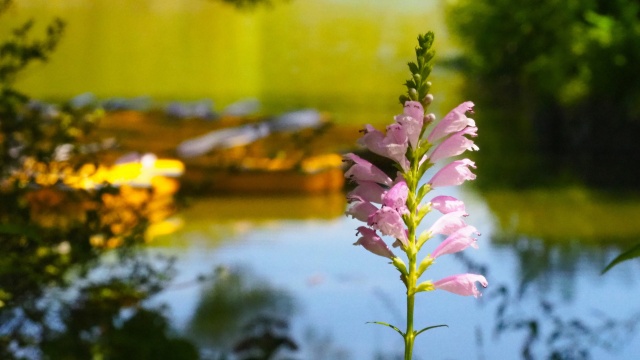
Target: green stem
(409, 335)
(412, 255)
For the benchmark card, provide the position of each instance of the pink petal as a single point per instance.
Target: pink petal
(397, 142)
(412, 120)
(455, 145)
(463, 284)
(396, 197)
(372, 140)
(360, 209)
(413, 109)
(369, 191)
(392, 145)
(390, 223)
(372, 242)
(453, 174)
(454, 121)
(446, 204)
(362, 170)
(448, 223)
(457, 241)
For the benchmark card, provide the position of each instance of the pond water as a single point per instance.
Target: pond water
(543, 298)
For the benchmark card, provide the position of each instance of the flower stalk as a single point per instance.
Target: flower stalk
(394, 206)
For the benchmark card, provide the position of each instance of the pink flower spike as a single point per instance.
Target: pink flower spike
(372, 242)
(448, 223)
(455, 145)
(446, 204)
(369, 191)
(454, 121)
(360, 209)
(463, 284)
(396, 197)
(362, 170)
(390, 223)
(453, 174)
(457, 241)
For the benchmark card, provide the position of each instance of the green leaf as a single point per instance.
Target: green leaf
(424, 236)
(389, 325)
(423, 168)
(29, 232)
(410, 84)
(422, 191)
(413, 67)
(400, 265)
(429, 328)
(632, 253)
(425, 286)
(424, 265)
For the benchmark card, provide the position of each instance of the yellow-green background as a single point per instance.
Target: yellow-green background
(345, 57)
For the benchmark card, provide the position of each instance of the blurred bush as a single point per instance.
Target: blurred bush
(62, 212)
(557, 87)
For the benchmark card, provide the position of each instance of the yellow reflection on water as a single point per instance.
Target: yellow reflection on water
(222, 218)
(568, 214)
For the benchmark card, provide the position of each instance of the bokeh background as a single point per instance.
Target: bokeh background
(104, 257)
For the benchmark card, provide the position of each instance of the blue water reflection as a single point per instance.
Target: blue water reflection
(560, 308)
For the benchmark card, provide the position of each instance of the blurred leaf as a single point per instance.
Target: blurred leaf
(632, 253)
(9, 229)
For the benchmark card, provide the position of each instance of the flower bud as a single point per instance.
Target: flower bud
(413, 94)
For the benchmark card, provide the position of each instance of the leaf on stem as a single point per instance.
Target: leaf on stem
(429, 328)
(424, 236)
(391, 326)
(632, 253)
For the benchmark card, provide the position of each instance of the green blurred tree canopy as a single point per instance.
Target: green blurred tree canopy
(558, 83)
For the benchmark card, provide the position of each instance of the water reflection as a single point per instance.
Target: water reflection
(239, 313)
(547, 299)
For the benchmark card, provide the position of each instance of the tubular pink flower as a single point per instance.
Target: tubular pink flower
(454, 145)
(448, 223)
(362, 170)
(369, 191)
(454, 121)
(372, 242)
(446, 204)
(412, 120)
(397, 142)
(393, 145)
(458, 241)
(372, 140)
(360, 209)
(390, 223)
(462, 284)
(396, 197)
(453, 174)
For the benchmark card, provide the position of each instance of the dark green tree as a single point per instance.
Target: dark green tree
(558, 88)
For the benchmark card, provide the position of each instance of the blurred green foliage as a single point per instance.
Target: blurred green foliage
(59, 297)
(557, 87)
